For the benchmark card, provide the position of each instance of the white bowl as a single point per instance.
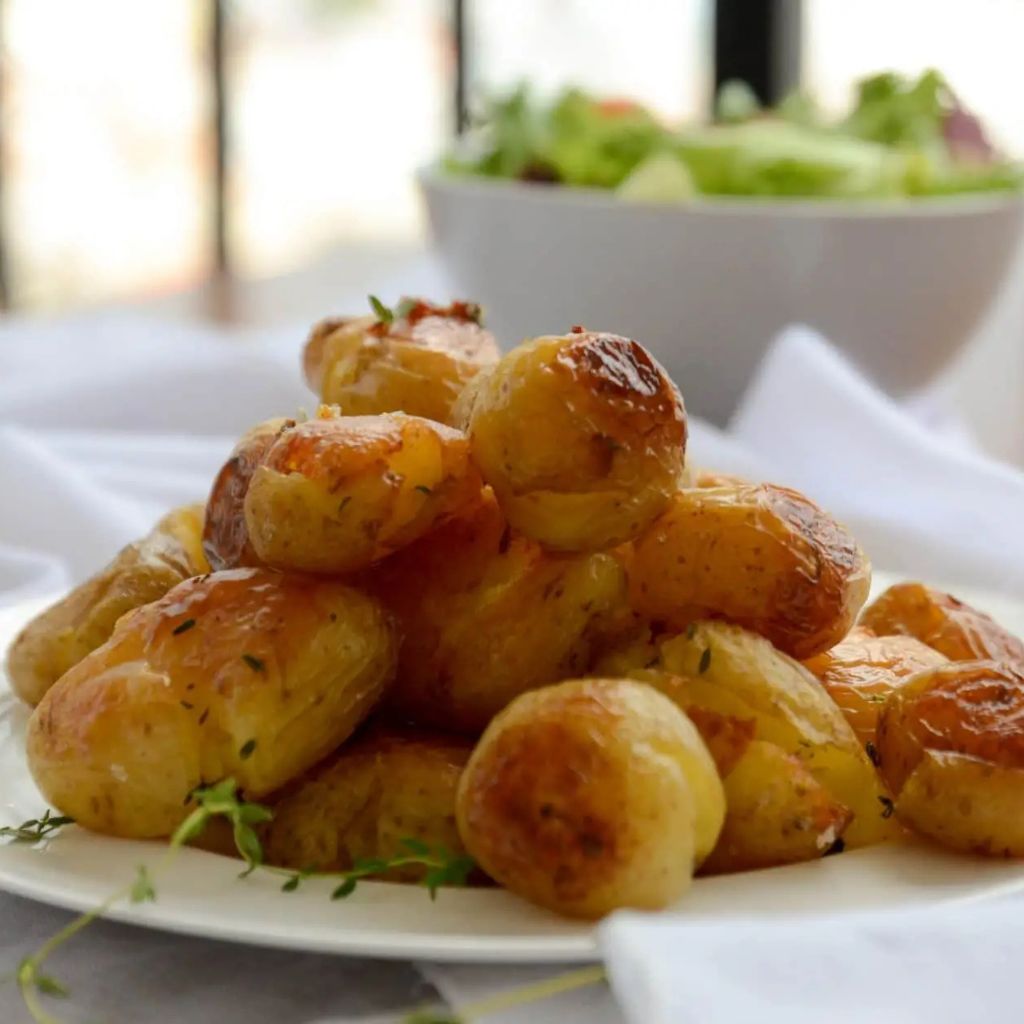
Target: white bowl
(899, 286)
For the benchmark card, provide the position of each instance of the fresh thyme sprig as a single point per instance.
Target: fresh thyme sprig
(384, 314)
(220, 800)
(34, 829)
(443, 868)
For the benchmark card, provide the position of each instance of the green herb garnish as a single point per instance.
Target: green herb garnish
(705, 661)
(384, 314)
(423, 489)
(183, 627)
(247, 749)
(34, 829)
(256, 664)
(220, 800)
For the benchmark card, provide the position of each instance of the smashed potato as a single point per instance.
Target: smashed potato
(952, 627)
(715, 478)
(736, 674)
(951, 747)
(336, 493)
(378, 790)
(247, 673)
(225, 536)
(485, 615)
(763, 557)
(418, 363)
(582, 438)
(590, 796)
(863, 669)
(778, 813)
(77, 624)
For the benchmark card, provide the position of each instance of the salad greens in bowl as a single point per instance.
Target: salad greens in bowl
(890, 229)
(901, 138)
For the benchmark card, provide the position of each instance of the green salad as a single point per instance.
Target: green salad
(901, 138)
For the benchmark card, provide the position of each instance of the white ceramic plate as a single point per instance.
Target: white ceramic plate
(201, 894)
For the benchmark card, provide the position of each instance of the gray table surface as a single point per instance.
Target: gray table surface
(121, 974)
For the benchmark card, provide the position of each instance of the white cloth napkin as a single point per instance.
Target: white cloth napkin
(105, 424)
(947, 966)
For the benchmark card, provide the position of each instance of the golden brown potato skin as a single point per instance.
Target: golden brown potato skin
(729, 672)
(761, 556)
(314, 353)
(951, 747)
(246, 673)
(418, 364)
(386, 786)
(582, 438)
(778, 813)
(485, 615)
(225, 536)
(590, 796)
(714, 478)
(863, 669)
(337, 493)
(952, 627)
(66, 632)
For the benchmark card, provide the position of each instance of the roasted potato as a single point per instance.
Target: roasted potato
(78, 623)
(582, 438)
(384, 787)
(863, 669)
(336, 493)
(246, 673)
(715, 478)
(485, 615)
(734, 673)
(778, 813)
(763, 557)
(418, 363)
(225, 536)
(589, 796)
(951, 747)
(953, 628)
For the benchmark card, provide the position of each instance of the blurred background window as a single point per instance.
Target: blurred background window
(104, 153)
(333, 105)
(147, 148)
(655, 51)
(975, 43)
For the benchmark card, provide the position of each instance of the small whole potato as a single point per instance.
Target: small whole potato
(378, 790)
(951, 626)
(951, 748)
(590, 796)
(485, 615)
(778, 813)
(763, 557)
(863, 669)
(417, 363)
(738, 677)
(225, 536)
(337, 493)
(78, 623)
(246, 673)
(582, 438)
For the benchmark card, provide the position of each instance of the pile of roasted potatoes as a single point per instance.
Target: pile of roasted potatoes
(482, 601)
